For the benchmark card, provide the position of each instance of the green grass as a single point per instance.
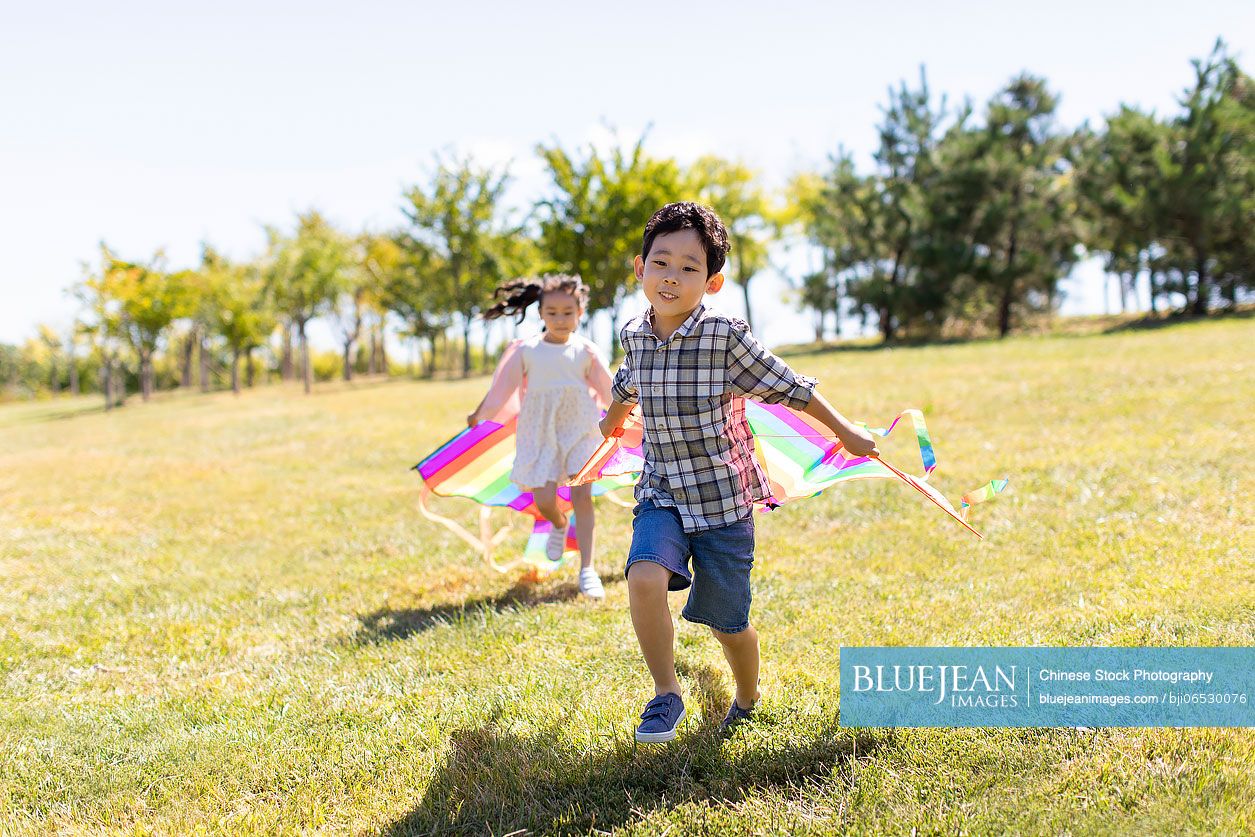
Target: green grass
(225, 615)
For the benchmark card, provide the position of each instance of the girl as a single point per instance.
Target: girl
(564, 384)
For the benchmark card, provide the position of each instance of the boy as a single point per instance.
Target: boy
(685, 364)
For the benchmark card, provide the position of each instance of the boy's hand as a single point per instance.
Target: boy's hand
(860, 443)
(611, 423)
(472, 419)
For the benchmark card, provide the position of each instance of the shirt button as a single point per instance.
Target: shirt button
(679, 495)
(656, 389)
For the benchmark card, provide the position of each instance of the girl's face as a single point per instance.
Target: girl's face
(561, 314)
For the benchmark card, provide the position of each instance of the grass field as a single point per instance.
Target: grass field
(224, 614)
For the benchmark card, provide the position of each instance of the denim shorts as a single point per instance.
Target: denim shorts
(722, 560)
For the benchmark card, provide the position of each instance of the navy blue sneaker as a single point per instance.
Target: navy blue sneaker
(661, 717)
(736, 715)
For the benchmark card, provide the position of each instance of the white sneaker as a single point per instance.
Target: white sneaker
(556, 545)
(590, 584)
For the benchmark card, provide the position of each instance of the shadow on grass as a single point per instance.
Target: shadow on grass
(387, 624)
(1150, 322)
(495, 780)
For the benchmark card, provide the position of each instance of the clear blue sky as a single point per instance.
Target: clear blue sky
(156, 124)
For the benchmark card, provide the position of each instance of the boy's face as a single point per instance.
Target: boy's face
(673, 274)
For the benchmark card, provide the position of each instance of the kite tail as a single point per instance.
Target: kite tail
(483, 544)
(986, 492)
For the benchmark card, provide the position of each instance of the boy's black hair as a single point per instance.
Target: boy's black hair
(686, 215)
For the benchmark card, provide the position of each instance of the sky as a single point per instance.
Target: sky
(154, 125)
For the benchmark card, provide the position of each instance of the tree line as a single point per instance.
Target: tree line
(967, 220)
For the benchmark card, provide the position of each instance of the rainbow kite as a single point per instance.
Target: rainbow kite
(797, 453)
(476, 464)
(799, 456)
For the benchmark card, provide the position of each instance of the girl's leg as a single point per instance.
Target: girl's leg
(547, 501)
(741, 651)
(582, 499)
(647, 597)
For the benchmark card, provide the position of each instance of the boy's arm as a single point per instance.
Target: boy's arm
(623, 391)
(755, 372)
(614, 417)
(856, 440)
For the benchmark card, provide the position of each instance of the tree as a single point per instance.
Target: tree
(592, 219)
(105, 329)
(457, 238)
(138, 302)
(1208, 180)
(1025, 234)
(1119, 186)
(383, 260)
(243, 314)
(304, 272)
(51, 344)
(733, 191)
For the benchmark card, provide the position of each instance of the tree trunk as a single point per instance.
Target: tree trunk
(250, 369)
(466, 345)
(1152, 290)
(1124, 296)
(54, 377)
(307, 372)
(614, 331)
(74, 386)
(486, 361)
(745, 291)
(119, 385)
(383, 350)
(204, 364)
(235, 371)
(1202, 290)
(348, 360)
(145, 375)
(189, 345)
(371, 367)
(106, 382)
(1004, 310)
(285, 364)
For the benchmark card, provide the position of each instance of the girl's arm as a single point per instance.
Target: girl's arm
(854, 439)
(505, 382)
(598, 378)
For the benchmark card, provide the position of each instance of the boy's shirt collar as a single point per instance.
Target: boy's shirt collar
(644, 324)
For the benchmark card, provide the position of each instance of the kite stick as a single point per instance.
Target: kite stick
(933, 499)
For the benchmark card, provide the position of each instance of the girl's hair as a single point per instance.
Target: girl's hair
(517, 295)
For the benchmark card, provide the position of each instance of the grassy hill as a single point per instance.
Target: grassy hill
(225, 615)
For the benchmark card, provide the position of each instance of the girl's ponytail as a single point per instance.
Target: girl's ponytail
(515, 297)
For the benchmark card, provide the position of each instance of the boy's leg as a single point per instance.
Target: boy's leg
(741, 651)
(582, 500)
(651, 618)
(723, 559)
(546, 497)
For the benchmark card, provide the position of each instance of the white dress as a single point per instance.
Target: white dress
(557, 426)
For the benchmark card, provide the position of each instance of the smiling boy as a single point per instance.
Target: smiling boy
(688, 367)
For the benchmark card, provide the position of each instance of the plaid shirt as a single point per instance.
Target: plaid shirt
(699, 453)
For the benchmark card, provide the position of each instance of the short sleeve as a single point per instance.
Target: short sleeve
(623, 387)
(754, 372)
